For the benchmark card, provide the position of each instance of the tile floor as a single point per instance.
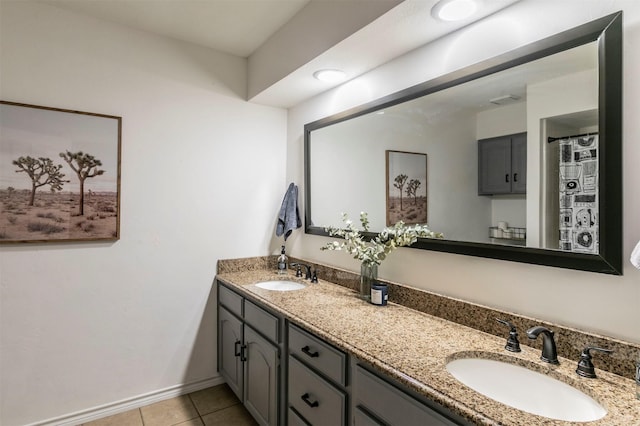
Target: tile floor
(213, 406)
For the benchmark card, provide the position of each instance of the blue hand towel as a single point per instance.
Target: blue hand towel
(289, 217)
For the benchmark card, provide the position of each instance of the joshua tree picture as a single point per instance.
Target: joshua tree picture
(59, 174)
(85, 166)
(42, 172)
(399, 182)
(406, 187)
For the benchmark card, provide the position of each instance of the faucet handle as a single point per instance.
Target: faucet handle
(513, 344)
(298, 269)
(585, 366)
(314, 278)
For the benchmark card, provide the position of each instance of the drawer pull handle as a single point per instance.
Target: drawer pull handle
(237, 348)
(308, 352)
(311, 404)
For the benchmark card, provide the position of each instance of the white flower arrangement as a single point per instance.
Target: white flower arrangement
(373, 252)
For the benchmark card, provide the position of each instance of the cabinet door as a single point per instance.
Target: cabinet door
(260, 378)
(519, 163)
(494, 166)
(229, 350)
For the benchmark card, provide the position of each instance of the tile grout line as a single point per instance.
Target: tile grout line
(196, 407)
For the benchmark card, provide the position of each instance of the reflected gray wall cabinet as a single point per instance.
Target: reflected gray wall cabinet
(502, 165)
(605, 34)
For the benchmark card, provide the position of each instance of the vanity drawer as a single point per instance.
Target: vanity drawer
(318, 401)
(318, 354)
(392, 405)
(230, 300)
(261, 320)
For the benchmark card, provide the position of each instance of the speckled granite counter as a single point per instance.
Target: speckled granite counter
(414, 348)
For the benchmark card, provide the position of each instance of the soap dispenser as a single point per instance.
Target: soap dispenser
(283, 262)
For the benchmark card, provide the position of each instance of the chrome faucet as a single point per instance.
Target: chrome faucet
(549, 351)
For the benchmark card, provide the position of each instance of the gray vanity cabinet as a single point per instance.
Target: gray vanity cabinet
(502, 165)
(248, 354)
(315, 383)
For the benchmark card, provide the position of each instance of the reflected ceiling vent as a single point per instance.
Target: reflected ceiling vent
(506, 99)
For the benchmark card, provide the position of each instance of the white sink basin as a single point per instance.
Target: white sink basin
(526, 389)
(281, 285)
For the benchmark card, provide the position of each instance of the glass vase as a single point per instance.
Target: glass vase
(368, 274)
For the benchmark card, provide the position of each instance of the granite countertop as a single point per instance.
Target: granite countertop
(413, 348)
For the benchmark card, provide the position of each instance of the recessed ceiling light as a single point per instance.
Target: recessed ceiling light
(330, 75)
(454, 10)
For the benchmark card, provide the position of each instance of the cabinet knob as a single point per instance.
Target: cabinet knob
(238, 348)
(506, 177)
(515, 177)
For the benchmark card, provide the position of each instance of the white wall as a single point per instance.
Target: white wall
(400, 131)
(502, 120)
(588, 301)
(202, 178)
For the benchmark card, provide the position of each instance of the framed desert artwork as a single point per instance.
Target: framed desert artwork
(406, 179)
(59, 174)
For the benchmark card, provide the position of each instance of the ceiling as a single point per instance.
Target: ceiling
(237, 27)
(244, 27)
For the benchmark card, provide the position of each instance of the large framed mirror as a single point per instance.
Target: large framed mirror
(524, 155)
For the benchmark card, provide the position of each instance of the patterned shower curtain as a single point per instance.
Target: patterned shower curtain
(579, 194)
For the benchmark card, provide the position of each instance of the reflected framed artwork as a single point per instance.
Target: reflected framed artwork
(406, 178)
(59, 174)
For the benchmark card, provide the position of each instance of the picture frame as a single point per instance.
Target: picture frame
(406, 187)
(59, 174)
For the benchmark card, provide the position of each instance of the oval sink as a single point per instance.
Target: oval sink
(526, 390)
(281, 285)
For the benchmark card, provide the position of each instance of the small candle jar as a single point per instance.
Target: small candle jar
(379, 294)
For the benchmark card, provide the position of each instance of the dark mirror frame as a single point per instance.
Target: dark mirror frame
(607, 31)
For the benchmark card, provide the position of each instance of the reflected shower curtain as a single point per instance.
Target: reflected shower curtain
(579, 194)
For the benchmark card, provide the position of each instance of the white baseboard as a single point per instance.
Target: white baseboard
(121, 406)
